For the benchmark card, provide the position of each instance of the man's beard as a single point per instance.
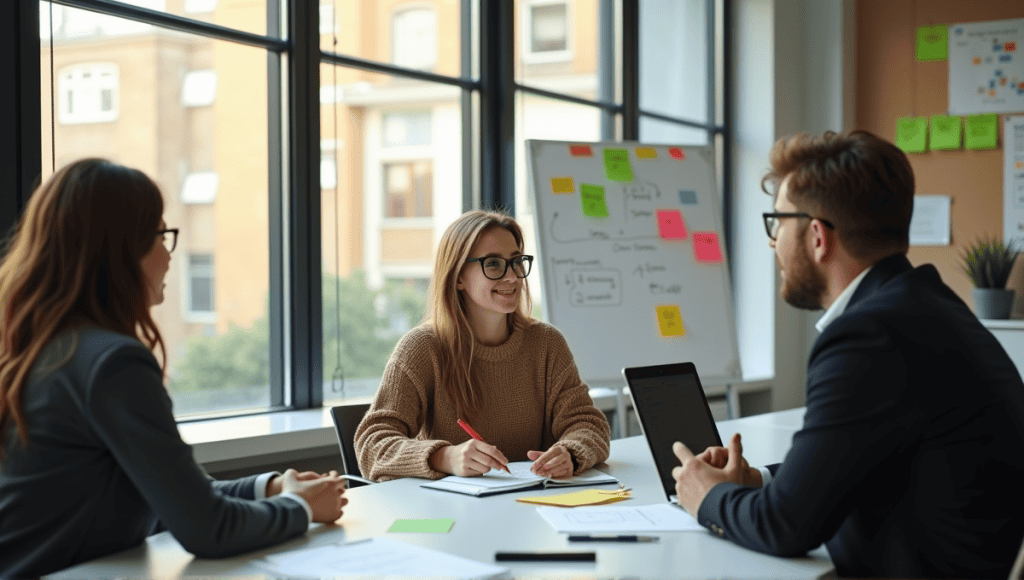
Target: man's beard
(804, 285)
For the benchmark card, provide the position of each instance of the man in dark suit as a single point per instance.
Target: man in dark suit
(910, 461)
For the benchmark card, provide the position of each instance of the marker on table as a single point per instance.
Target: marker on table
(472, 433)
(613, 538)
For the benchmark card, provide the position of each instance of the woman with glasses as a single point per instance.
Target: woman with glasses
(479, 357)
(91, 461)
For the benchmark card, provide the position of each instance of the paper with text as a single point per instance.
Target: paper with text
(620, 519)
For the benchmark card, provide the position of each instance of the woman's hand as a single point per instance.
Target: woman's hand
(467, 459)
(555, 462)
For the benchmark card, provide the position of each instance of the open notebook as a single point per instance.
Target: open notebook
(496, 481)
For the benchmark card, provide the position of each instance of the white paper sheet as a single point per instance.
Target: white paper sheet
(1013, 179)
(986, 67)
(376, 558)
(620, 519)
(929, 225)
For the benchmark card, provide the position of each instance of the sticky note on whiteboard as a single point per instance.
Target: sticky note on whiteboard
(706, 248)
(646, 153)
(562, 185)
(670, 322)
(592, 197)
(687, 197)
(616, 165)
(677, 153)
(671, 225)
(580, 150)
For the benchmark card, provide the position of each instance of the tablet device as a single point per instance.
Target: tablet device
(670, 405)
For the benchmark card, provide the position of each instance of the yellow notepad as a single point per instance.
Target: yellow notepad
(578, 498)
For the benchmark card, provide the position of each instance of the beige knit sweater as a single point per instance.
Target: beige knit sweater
(532, 398)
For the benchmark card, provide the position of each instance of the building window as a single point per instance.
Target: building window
(546, 31)
(199, 88)
(408, 189)
(200, 187)
(200, 6)
(327, 24)
(406, 128)
(414, 38)
(328, 170)
(200, 284)
(88, 94)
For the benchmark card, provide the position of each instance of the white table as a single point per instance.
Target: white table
(486, 525)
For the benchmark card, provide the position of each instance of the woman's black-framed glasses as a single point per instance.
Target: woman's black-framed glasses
(169, 238)
(771, 221)
(494, 267)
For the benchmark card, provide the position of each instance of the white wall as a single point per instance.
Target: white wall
(792, 73)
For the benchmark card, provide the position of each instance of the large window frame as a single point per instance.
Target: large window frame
(488, 89)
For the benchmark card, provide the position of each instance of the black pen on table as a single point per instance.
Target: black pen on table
(631, 538)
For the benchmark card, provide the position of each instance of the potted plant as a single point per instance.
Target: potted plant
(988, 264)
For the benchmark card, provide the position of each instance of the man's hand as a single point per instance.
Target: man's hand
(467, 459)
(275, 483)
(719, 457)
(323, 493)
(555, 462)
(695, 477)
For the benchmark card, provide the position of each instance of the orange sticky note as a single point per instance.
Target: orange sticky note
(706, 248)
(580, 150)
(670, 322)
(677, 153)
(671, 225)
(562, 185)
(646, 153)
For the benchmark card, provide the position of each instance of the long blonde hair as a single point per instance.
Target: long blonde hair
(75, 256)
(447, 310)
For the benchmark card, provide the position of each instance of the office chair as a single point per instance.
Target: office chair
(346, 421)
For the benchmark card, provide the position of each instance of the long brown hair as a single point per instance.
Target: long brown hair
(447, 310)
(75, 257)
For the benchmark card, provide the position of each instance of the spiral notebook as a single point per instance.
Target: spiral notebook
(496, 481)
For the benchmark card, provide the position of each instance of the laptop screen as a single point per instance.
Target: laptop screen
(670, 404)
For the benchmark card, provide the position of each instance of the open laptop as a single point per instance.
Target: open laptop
(670, 404)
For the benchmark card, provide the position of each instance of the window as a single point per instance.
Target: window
(88, 94)
(408, 189)
(200, 6)
(546, 31)
(200, 285)
(200, 187)
(414, 38)
(327, 23)
(199, 88)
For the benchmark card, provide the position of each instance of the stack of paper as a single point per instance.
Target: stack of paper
(579, 498)
(621, 519)
(497, 481)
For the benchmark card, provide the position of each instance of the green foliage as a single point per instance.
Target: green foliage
(359, 333)
(988, 262)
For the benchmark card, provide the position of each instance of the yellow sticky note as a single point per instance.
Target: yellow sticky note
(562, 185)
(578, 498)
(646, 153)
(670, 322)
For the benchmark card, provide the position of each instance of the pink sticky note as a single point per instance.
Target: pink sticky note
(671, 225)
(706, 248)
(677, 153)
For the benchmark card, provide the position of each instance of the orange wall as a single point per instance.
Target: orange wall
(890, 83)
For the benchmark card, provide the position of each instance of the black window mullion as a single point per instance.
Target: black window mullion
(631, 70)
(304, 347)
(606, 65)
(466, 101)
(276, 209)
(497, 103)
(727, 128)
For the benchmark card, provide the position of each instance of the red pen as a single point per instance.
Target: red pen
(472, 433)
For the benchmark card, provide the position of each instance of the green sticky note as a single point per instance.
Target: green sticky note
(932, 42)
(980, 131)
(945, 133)
(616, 165)
(431, 526)
(912, 134)
(592, 197)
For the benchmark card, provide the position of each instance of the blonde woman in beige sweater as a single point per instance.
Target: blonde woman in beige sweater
(479, 356)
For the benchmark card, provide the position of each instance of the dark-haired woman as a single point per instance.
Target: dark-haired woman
(91, 461)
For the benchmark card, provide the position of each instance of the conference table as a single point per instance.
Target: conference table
(487, 525)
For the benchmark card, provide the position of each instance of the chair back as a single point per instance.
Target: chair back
(346, 421)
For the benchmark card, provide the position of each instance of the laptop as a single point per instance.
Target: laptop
(670, 405)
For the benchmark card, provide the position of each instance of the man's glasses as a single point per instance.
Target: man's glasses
(494, 267)
(772, 221)
(169, 238)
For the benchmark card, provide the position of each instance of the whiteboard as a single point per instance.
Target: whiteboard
(632, 255)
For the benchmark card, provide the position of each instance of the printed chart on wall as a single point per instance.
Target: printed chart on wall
(633, 257)
(986, 67)
(1013, 179)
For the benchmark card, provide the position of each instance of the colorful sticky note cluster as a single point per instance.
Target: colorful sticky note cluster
(945, 133)
(670, 321)
(706, 248)
(562, 185)
(932, 42)
(616, 165)
(981, 131)
(671, 225)
(427, 526)
(592, 197)
(912, 134)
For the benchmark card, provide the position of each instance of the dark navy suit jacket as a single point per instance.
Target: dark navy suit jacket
(910, 461)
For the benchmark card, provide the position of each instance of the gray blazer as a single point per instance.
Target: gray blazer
(105, 466)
